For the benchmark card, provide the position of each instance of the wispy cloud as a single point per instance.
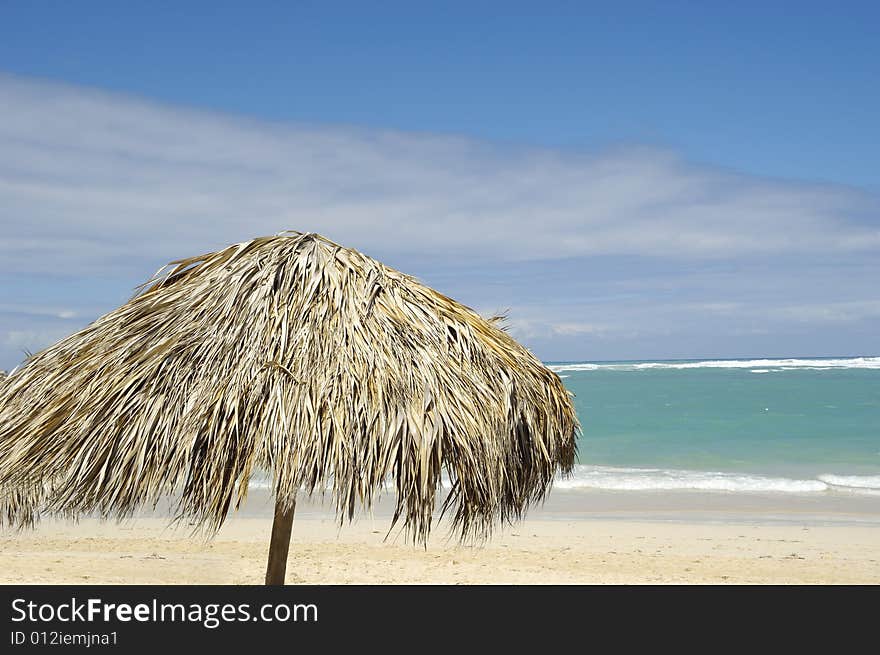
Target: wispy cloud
(89, 179)
(833, 312)
(627, 246)
(830, 311)
(31, 340)
(37, 310)
(550, 326)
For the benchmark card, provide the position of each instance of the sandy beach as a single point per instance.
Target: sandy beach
(578, 538)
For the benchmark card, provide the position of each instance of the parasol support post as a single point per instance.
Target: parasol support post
(279, 544)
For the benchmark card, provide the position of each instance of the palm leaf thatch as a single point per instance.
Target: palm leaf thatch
(292, 355)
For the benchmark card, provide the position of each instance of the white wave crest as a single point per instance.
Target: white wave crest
(608, 478)
(757, 365)
(633, 479)
(579, 367)
(852, 481)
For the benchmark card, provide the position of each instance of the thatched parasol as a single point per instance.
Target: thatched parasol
(295, 356)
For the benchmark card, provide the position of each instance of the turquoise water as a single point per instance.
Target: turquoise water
(789, 425)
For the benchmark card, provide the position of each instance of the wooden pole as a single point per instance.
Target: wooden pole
(279, 545)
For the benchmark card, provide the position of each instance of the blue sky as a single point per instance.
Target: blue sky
(628, 180)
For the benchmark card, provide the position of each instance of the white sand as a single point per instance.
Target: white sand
(621, 537)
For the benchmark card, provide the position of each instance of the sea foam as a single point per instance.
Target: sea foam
(867, 482)
(634, 479)
(756, 365)
(608, 478)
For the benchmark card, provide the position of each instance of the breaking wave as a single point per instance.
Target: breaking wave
(756, 365)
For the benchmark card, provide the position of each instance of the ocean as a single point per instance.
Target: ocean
(777, 426)
(804, 426)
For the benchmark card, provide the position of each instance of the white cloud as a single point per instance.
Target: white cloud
(571, 328)
(37, 310)
(817, 312)
(91, 180)
(652, 256)
(31, 340)
(832, 312)
(539, 322)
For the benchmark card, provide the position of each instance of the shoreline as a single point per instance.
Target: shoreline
(688, 506)
(575, 538)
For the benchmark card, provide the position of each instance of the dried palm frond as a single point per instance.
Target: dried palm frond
(296, 356)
